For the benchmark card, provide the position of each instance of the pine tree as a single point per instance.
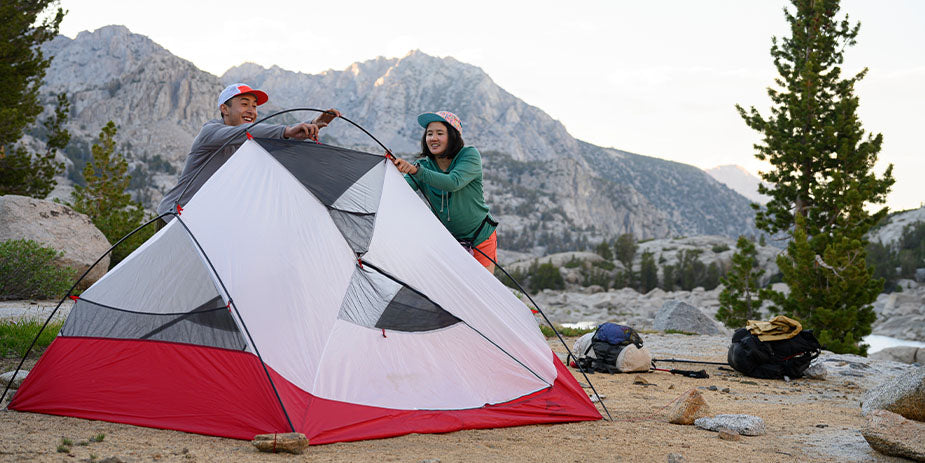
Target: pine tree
(625, 248)
(604, 251)
(105, 200)
(741, 298)
(822, 172)
(22, 68)
(22, 173)
(648, 273)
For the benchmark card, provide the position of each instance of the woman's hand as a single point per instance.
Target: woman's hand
(405, 167)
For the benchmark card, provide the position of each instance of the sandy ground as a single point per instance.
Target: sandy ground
(807, 420)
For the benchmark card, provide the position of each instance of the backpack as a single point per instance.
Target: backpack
(612, 348)
(772, 359)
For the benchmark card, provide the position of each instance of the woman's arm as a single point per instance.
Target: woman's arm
(468, 167)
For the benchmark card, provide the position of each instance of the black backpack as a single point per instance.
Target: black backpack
(772, 359)
(607, 342)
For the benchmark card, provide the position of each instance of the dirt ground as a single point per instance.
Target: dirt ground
(807, 420)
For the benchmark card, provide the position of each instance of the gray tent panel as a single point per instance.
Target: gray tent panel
(410, 311)
(175, 278)
(367, 297)
(356, 228)
(363, 196)
(376, 301)
(210, 324)
(327, 171)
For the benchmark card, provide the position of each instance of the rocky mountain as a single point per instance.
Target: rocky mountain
(740, 180)
(550, 190)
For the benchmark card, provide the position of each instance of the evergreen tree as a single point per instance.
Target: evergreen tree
(104, 199)
(22, 173)
(22, 68)
(625, 248)
(604, 251)
(822, 172)
(668, 278)
(648, 273)
(741, 299)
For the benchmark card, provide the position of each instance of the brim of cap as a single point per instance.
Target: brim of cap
(261, 96)
(427, 118)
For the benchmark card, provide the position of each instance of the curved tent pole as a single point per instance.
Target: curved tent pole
(247, 129)
(538, 309)
(570, 355)
(246, 331)
(66, 295)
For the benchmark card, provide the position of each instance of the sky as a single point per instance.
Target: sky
(658, 78)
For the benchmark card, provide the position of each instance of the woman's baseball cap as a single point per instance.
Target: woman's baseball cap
(234, 90)
(440, 116)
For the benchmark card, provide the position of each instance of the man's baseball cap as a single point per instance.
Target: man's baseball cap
(234, 90)
(440, 116)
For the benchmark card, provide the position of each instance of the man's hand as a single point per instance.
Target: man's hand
(301, 131)
(326, 117)
(405, 167)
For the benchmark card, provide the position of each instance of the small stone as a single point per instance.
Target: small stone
(676, 458)
(690, 407)
(713, 388)
(291, 442)
(641, 381)
(20, 377)
(597, 398)
(820, 426)
(726, 434)
(671, 386)
(747, 425)
(726, 390)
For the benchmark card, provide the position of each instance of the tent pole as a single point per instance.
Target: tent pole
(66, 295)
(538, 309)
(246, 331)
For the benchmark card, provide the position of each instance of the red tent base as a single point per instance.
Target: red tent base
(226, 393)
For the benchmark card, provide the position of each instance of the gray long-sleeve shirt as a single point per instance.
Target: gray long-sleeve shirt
(213, 135)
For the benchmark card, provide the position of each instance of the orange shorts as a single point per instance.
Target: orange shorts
(489, 247)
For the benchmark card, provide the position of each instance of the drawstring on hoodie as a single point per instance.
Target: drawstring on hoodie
(445, 203)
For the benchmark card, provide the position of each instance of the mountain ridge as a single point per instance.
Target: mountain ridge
(549, 189)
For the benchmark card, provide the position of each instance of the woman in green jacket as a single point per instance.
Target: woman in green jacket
(450, 175)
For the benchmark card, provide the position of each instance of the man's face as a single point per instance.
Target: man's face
(241, 109)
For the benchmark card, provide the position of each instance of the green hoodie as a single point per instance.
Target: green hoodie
(456, 194)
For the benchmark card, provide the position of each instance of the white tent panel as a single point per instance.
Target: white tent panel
(284, 263)
(442, 269)
(453, 368)
(164, 275)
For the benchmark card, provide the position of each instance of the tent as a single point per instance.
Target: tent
(303, 288)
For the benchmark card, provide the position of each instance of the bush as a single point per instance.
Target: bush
(718, 248)
(545, 276)
(27, 271)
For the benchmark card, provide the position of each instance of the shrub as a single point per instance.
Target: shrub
(27, 271)
(546, 276)
(718, 248)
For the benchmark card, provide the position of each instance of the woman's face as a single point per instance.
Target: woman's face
(437, 138)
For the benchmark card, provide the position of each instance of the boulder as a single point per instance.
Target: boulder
(291, 442)
(891, 434)
(745, 425)
(20, 377)
(903, 395)
(691, 407)
(902, 354)
(58, 227)
(680, 316)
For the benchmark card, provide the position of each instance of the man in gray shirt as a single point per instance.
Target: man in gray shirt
(238, 105)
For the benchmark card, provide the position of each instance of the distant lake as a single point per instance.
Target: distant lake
(878, 342)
